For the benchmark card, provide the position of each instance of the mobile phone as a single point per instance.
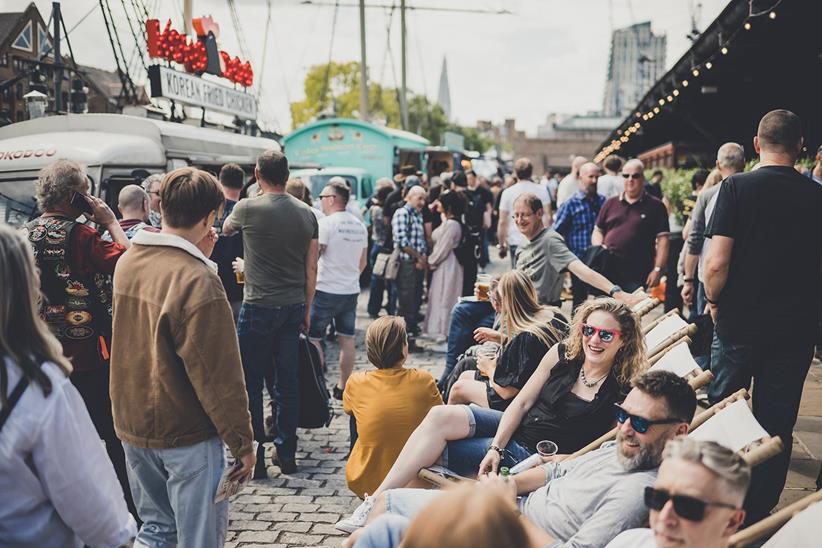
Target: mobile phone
(79, 201)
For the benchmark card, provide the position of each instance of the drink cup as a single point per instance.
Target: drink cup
(483, 287)
(240, 276)
(547, 448)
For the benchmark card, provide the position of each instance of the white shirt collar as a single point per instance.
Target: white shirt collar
(145, 237)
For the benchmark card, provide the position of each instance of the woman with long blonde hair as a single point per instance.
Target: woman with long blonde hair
(526, 330)
(50, 453)
(569, 400)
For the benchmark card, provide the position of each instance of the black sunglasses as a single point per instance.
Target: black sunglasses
(632, 175)
(685, 507)
(640, 424)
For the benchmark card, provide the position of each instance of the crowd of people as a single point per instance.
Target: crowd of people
(160, 333)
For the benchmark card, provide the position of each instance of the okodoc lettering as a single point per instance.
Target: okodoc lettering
(17, 154)
(196, 91)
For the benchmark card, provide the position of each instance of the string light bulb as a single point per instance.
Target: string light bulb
(695, 72)
(684, 83)
(638, 114)
(747, 25)
(661, 102)
(724, 50)
(670, 99)
(650, 115)
(676, 93)
(656, 110)
(709, 65)
(772, 15)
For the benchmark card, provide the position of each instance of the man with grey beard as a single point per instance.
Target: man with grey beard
(580, 502)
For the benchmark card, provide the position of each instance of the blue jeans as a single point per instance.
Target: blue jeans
(385, 532)
(466, 316)
(267, 333)
(512, 250)
(378, 287)
(174, 493)
(464, 456)
(778, 370)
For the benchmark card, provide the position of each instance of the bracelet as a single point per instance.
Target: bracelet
(688, 280)
(497, 449)
(711, 301)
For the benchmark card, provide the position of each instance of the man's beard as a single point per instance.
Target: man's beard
(648, 457)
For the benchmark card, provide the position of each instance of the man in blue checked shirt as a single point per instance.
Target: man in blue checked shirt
(409, 238)
(575, 220)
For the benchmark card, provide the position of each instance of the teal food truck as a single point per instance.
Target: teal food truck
(358, 151)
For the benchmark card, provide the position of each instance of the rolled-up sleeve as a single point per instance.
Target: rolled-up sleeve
(696, 237)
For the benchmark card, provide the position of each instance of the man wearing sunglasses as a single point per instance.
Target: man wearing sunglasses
(697, 499)
(584, 501)
(634, 228)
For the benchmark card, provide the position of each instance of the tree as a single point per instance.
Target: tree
(337, 85)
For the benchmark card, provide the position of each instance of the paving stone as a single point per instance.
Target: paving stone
(300, 507)
(294, 526)
(264, 537)
(320, 518)
(300, 539)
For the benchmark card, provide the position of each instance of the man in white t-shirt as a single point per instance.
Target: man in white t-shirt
(508, 235)
(343, 243)
(570, 184)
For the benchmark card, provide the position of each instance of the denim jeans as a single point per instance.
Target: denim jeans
(174, 493)
(409, 293)
(779, 372)
(378, 287)
(512, 251)
(464, 456)
(385, 532)
(466, 316)
(269, 339)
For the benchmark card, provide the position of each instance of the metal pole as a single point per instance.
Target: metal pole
(187, 11)
(58, 59)
(363, 66)
(404, 90)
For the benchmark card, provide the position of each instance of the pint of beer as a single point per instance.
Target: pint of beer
(240, 277)
(238, 274)
(483, 287)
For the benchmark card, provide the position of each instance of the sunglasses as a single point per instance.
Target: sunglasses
(632, 175)
(605, 335)
(640, 424)
(322, 196)
(685, 507)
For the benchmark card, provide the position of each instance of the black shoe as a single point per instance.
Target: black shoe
(338, 393)
(287, 466)
(413, 348)
(259, 468)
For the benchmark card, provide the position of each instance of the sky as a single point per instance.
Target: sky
(545, 56)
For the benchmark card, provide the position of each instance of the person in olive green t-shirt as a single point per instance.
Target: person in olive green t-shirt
(281, 252)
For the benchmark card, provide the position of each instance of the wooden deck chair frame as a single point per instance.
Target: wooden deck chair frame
(687, 331)
(647, 328)
(772, 523)
(660, 355)
(647, 305)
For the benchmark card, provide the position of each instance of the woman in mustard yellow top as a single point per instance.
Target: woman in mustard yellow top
(388, 404)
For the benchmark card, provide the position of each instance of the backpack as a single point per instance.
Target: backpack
(315, 410)
(468, 251)
(474, 210)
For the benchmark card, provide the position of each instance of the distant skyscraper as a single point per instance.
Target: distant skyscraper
(444, 95)
(637, 62)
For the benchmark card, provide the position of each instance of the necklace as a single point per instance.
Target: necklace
(585, 380)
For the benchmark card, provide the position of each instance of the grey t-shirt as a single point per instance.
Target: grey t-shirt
(277, 230)
(543, 259)
(589, 500)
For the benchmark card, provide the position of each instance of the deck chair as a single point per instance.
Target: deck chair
(647, 327)
(776, 521)
(731, 423)
(671, 330)
(644, 306)
(677, 359)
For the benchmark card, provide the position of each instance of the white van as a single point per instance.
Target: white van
(117, 150)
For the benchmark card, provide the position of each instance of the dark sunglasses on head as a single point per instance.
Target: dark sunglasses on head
(632, 175)
(605, 335)
(685, 507)
(639, 424)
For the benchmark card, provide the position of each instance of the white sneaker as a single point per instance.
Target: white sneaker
(358, 518)
(441, 348)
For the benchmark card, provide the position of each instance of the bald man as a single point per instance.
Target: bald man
(568, 186)
(409, 238)
(634, 228)
(133, 203)
(576, 218)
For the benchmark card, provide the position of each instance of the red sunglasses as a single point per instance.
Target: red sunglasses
(605, 335)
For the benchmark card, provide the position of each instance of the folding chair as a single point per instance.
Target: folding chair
(773, 522)
(677, 359)
(731, 423)
(644, 306)
(646, 328)
(666, 333)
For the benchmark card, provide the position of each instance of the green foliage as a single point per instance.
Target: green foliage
(343, 92)
(676, 186)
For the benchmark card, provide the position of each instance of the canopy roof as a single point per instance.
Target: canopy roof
(746, 63)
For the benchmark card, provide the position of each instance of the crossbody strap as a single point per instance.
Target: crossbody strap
(16, 394)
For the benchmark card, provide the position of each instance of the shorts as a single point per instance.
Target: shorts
(464, 456)
(407, 502)
(329, 306)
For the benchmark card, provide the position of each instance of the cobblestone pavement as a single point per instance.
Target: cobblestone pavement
(301, 509)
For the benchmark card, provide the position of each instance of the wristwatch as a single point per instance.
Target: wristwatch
(657, 269)
(614, 290)
(688, 280)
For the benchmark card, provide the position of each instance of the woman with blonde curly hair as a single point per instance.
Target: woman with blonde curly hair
(569, 400)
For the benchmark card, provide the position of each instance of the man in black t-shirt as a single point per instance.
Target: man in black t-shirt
(476, 220)
(763, 286)
(229, 248)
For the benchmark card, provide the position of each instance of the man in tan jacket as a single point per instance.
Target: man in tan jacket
(177, 386)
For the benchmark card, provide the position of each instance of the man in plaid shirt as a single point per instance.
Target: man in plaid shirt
(409, 238)
(576, 219)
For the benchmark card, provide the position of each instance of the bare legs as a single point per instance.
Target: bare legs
(467, 390)
(443, 423)
(347, 352)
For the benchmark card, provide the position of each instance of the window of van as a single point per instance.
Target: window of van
(318, 182)
(17, 203)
